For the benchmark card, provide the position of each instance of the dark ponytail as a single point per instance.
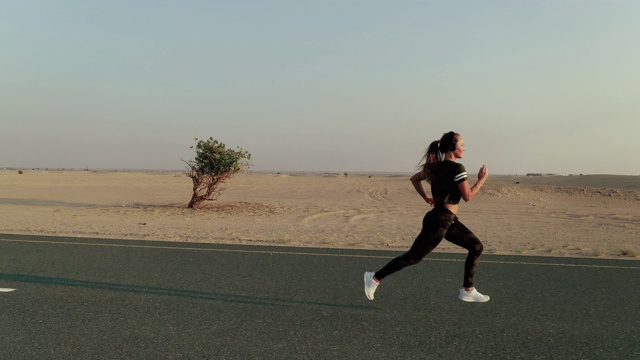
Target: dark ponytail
(431, 158)
(435, 154)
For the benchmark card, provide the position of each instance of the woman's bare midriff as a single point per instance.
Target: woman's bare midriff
(452, 207)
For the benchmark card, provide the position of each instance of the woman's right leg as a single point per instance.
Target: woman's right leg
(434, 226)
(462, 236)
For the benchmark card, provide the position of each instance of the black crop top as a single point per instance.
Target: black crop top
(444, 183)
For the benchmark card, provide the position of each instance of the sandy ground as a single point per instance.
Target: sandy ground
(588, 216)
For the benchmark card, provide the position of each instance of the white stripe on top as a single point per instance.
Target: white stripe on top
(462, 175)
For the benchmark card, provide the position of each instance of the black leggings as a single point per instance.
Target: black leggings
(437, 224)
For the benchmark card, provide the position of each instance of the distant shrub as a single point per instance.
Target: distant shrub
(20, 172)
(214, 164)
(628, 253)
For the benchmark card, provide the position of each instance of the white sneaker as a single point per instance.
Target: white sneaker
(370, 285)
(472, 296)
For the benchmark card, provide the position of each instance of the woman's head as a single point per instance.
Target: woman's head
(452, 142)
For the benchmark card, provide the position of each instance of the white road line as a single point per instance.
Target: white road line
(310, 254)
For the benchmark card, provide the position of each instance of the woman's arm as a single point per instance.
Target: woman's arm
(416, 180)
(469, 193)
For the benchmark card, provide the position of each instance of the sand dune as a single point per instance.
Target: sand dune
(594, 216)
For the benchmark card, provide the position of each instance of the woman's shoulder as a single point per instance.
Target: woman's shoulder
(455, 171)
(453, 165)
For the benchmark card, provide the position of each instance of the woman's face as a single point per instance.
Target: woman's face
(459, 151)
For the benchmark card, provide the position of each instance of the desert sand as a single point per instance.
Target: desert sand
(580, 216)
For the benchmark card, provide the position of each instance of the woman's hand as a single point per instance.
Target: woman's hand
(416, 180)
(469, 193)
(483, 173)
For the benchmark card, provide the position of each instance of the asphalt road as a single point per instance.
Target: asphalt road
(79, 298)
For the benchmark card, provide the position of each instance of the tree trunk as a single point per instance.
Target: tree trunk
(195, 202)
(205, 188)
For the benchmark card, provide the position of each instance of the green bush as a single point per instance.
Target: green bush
(213, 165)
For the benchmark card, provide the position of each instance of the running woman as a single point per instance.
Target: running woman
(449, 184)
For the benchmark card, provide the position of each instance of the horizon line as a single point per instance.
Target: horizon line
(296, 172)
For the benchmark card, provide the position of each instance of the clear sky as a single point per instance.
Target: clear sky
(333, 85)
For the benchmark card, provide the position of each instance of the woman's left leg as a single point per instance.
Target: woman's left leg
(460, 235)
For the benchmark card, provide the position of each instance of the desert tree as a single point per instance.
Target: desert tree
(213, 165)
